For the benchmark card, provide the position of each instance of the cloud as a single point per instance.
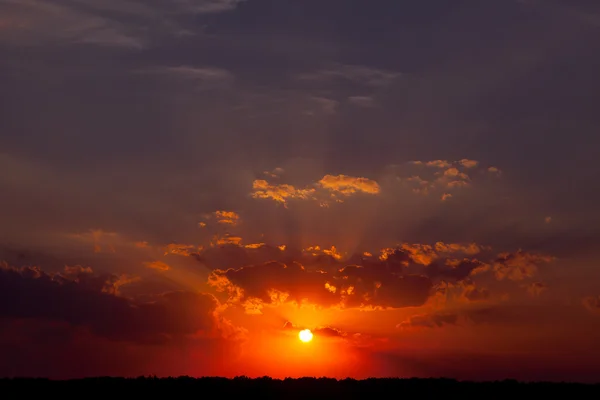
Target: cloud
(494, 170)
(457, 269)
(227, 217)
(330, 187)
(349, 287)
(200, 77)
(275, 173)
(429, 321)
(232, 255)
(348, 185)
(358, 74)
(121, 24)
(473, 293)
(519, 265)
(181, 249)
(226, 239)
(461, 293)
(439, 177)
(208, 6)
(281, 193)
(41, 21)
(81, 298)
(157, 265)
(470, 249)
(326, 331)
(465, 162)
(495, 314)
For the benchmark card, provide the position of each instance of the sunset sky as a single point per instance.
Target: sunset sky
(185, 185)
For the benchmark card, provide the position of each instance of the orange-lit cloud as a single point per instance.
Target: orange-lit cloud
(355, 286)
(181, 249)
(470, 249)
(158, 265)
(348, 185)
(316, 250)
(227, 217)
(440, 177)
(279, 192)
(328, 188)
(226, 240)
(519, 265)
(420, 253)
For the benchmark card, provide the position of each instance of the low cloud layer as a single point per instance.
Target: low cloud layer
(79, 297)
(407, 276)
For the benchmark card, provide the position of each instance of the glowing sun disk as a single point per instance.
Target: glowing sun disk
(305, 335)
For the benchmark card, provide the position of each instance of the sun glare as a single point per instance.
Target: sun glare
(305, 335)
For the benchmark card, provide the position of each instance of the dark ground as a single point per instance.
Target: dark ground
(304, 388)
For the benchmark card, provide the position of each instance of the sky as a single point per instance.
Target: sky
(187, 184)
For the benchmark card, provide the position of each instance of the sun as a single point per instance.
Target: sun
(305, 335)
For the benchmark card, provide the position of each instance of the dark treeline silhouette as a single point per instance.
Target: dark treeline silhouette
(301, 388)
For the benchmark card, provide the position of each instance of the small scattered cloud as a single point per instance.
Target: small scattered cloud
(348, 185)
(281, 193)
(227, 217)
(275, 173)
(198, 77)
(438, 177)
(494, 170)
(226, 239)
(181, 249)
(519, 265)
(465, 162)
(358, 74)
(157, 265)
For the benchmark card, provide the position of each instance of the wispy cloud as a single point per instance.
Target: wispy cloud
(124, 24)
(199, 77)
(358, 74)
